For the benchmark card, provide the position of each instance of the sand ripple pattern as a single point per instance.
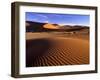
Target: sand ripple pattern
(60, 51)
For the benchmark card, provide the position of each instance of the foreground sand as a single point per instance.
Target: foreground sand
(50, 50)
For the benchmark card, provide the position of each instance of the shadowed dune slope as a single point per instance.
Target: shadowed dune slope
(56, 51)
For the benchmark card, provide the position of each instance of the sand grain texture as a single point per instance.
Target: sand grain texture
(56, 51)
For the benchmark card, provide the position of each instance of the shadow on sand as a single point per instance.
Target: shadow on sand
(35, 48)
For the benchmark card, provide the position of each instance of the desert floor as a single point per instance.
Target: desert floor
(56, 49)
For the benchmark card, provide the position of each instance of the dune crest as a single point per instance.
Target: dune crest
(51, 26)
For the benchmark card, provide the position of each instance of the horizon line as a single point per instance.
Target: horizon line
(63, 24)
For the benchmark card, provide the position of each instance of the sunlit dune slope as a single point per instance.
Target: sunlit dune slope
(50, 26)
(57, 51)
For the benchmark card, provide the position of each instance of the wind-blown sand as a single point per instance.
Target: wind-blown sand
(50, 50)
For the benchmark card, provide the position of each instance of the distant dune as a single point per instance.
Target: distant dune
(47, 27)
(51, 26)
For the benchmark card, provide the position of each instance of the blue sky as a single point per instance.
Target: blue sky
(66, 19)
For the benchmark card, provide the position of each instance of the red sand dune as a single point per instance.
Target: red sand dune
(57, 51)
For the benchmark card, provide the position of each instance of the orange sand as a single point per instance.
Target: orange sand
(50, 50)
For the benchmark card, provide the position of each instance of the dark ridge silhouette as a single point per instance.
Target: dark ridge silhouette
(74, 28)
(38, 27)
(34, 26)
